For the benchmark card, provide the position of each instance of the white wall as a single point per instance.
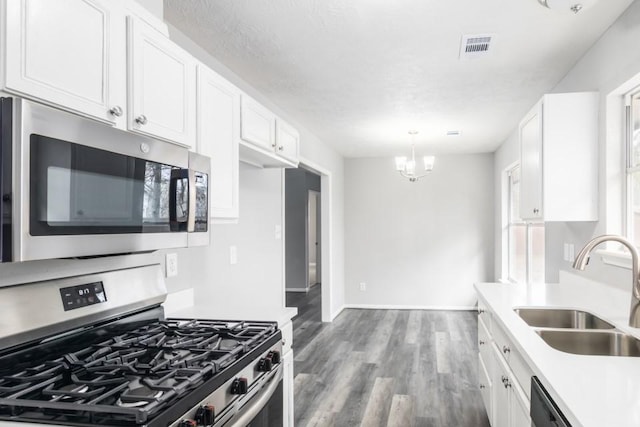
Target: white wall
(256, 280)
(315, 153)
(614, 59)
(418, 244)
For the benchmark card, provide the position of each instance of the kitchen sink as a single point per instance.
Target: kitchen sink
(596, 343)
(561, 318)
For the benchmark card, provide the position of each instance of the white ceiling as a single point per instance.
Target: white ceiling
(360, 73)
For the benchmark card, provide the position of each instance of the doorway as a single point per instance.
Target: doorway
(303, 243)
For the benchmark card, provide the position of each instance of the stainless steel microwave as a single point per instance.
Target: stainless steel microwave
(73, 187)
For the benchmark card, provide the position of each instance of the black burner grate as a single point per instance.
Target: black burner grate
(109, 376)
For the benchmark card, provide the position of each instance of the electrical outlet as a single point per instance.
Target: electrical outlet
(233, 255)
(363, 286)
(171, 264)
(572, 253)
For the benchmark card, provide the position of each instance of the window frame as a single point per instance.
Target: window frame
(629, 168)
(529, 228)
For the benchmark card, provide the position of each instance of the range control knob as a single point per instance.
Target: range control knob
(239, 386)
(265, 364)
(187, 423)
(274, 356)
(206, 415)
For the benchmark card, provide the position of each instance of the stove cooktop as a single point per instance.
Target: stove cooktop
(140, 373)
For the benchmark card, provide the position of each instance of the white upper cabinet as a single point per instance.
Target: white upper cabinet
(287, 141)
(217, 137)
(558, 156)
(257, 124)
(265, 140)
(67, 53)
(161, 85)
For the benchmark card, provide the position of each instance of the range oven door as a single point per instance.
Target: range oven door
(81, 188)
(265, 409)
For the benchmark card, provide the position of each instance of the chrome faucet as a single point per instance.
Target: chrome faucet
(583, 258)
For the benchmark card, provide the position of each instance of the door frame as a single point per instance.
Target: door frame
(311, 193)
(326, 245)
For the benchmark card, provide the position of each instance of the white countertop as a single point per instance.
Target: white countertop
(592, 391)
(206, 311)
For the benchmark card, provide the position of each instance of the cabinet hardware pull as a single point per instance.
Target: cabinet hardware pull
(116, 111)
(280, 148)
(141, 119)
(481, 342)
(482, 386)
(536, 210)
(273, 145)
(505, 349)
(481, 310)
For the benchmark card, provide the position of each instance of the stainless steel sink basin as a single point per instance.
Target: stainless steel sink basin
(560, 318)
(596, 343)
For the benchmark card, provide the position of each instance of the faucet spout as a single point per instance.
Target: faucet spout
(582, 260)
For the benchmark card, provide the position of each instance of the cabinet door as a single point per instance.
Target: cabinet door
(531, 205)
(218, 118)
(287, 140)
(68, 53)
(287, 385)
(257, 124)
(161, 86)
(500, 391)
(519, 406)
(485, 384)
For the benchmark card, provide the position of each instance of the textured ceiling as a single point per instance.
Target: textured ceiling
(360, 73)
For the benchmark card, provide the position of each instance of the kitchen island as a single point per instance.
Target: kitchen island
(591, 391)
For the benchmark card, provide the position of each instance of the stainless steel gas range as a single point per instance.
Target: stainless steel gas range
(97, 351)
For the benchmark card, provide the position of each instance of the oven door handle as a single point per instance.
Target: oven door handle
(259, 401)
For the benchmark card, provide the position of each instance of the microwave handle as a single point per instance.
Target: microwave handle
(191, 216)
(177, 222)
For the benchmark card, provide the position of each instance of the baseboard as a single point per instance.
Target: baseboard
(410, 307)
(337, 313)
(305, 290)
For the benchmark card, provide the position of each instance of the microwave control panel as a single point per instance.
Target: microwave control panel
(82, 295)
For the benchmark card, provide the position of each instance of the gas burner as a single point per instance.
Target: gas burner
(70, 392)
(138, 394)
(227, 344)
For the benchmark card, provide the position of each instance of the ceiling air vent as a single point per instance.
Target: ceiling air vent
(475, 46)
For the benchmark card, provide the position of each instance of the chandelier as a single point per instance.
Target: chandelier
(407, 168)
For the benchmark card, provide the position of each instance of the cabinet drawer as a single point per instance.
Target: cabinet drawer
(502, 342)
(484, 340)
(484, 314)
(484, 382)
(287, 337)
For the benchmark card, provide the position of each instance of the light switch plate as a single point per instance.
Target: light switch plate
(171, 264)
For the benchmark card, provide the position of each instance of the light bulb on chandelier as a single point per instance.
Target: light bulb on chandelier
(407, 167)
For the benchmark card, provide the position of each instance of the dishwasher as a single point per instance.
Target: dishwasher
(544, 411)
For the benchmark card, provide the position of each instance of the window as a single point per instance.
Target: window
(633, 167)
(525, 241)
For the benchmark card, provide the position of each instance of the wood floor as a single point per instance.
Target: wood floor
(386, 368)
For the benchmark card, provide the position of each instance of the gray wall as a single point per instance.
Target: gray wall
(418, 244)
(612, 61)
(298, 182)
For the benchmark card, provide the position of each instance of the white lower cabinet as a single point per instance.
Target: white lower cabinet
(510, 403)
(504, 378)
(287, 386)
(287, 380)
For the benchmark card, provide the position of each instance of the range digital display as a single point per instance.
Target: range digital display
(82, 295)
